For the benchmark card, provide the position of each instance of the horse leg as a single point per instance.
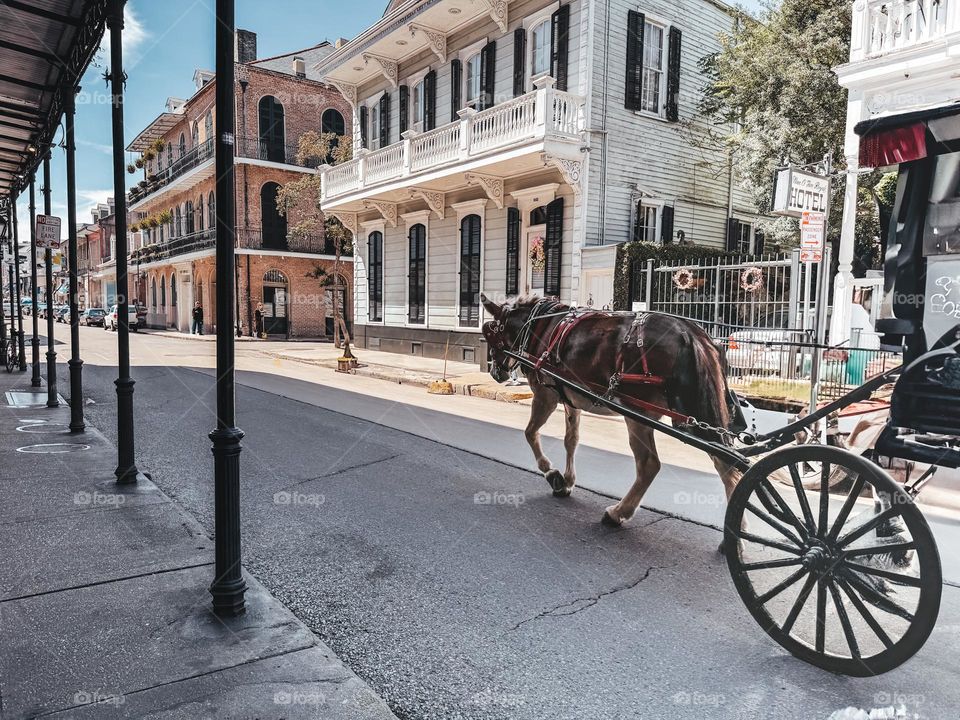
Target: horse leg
(544, 403)
(730, 477)
(571, 439)
(648, 465)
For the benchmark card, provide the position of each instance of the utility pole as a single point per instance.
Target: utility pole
(228, 586)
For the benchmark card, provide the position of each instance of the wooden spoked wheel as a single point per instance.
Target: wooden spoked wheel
(846, 577)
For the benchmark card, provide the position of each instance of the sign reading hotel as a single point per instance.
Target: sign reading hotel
(48, 231)
(813, 230)
(798, 192)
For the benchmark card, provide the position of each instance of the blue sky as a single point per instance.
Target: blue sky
(164, 42)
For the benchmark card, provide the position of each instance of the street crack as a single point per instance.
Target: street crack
(578, 605)
(342, 470)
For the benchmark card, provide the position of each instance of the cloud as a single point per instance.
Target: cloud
(134, 35)
(92, 197)
(99, 147)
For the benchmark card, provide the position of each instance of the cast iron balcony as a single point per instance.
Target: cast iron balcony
(253, 238)
(254, 148)
(181, 166)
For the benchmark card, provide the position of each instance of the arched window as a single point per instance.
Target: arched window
(182, 146)
(332, 122)
(169, 154)
(211, 210)
(173, 290)
(470, 271)
(188, 216)
(375, 276)
(153, 293)
(195, 135)
(173, 218)
(417, 274)
(163, 293)
(199, 213)
(540, 47)
(208, 126)
(271, 130)
(273, 224)
(178, 222)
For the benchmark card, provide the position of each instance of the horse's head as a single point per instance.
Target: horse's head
(502, 333)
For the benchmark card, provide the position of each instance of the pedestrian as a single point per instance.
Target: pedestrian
(258, 320)
(197, 328)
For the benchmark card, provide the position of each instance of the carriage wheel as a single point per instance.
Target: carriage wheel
(847, 580)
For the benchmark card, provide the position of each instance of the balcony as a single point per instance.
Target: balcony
(526, 122)
(183, 165)
(194, 242)
(253, 148)
(881, 27)
(249, 238)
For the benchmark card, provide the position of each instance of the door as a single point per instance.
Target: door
(272, 139)
(599, 290)
(275, 300)
(533, 277)
(273, 224)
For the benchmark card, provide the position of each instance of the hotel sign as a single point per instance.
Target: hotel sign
(797, 192)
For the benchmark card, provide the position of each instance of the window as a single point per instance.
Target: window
(470, 271)
(188, 215)
(646, 227)
(652, 67)
(375, 276)
(540, 49)
(163, 293)
(153, 293)
(273, 224)
(742, 241)
(208, 126)
(472, 81)
(211, 210)
(173, 290)
(418, 105)
(195, 136)
(178, 222)
(182, 146)
(169, 154)
(271, 130)
(417, 276)
(332, 122)
(375, 125)
(199, 213)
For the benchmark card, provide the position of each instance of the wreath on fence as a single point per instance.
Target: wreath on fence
(752, 279)
(683, 279)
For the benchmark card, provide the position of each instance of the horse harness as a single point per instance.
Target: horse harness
(550, 357)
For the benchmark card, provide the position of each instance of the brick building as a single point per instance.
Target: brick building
(173, 208)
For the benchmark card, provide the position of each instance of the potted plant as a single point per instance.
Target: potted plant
(139, 163)
(154, 221)
(149, 154)
(131, 168)
(165, 217)
(159, 145)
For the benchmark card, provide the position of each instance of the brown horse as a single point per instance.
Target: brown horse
(663, 364)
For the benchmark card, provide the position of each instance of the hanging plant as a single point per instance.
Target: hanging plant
(158, 145)
(538, 258)
(164, 217)
(751, 280)
(153, 221)
(149, 154)
(683, 279)
(131, 168)
(139, 163)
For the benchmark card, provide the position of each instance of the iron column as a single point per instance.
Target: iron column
(35, 341)
(228, 586)
(126, 471)
(75, 363)
(48, 262)
(16, 256)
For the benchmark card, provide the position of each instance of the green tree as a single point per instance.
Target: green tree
(775, 98)
(302, 199)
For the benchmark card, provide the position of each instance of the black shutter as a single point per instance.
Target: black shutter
(375, 276)
(673, 75)
(758, 242)
(430, 100)
(560, 41)
(519, 61)
(385, 120)
(666, 224)
(732, 225)
(404, 110)
(470, 270)
(552, 248)
(513, 251)
(417, 278)
(364, 139)
(488, 75)
(456, 83)
(633, 98)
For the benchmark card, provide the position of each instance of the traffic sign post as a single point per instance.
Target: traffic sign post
(813, 230)
(48, 231)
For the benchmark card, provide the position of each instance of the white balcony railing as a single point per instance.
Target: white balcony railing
(885, 26)
(542, 114)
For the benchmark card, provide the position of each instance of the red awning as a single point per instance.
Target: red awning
(892, 146)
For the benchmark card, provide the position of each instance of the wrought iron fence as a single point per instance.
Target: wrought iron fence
(254, 238)
(186, 162)
(256, 148)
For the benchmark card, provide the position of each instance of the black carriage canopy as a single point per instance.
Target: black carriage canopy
(914, 135)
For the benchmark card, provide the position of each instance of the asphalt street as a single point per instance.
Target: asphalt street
(458, 587)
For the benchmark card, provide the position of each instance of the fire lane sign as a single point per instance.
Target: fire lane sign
(48, 231)
(813, 226)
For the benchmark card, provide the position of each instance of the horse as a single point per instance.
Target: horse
(662, 364)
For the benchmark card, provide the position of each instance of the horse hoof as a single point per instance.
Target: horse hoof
(721, 549)
(558, 483)
(608, 520)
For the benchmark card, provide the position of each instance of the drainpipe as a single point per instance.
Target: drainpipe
(603, 128)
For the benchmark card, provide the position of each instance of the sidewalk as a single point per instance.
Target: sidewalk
(104, 602)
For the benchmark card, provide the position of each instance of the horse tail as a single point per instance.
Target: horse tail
(711, 393)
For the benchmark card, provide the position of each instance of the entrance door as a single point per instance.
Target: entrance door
(275, 303)
(534, 259)
(599, 290)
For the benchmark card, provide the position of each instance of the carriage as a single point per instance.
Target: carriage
(830, 554)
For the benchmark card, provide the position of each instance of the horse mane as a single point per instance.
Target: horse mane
(532, 300)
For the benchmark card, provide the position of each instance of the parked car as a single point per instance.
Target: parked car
(112, 322)
(763, 352)
(93, 316)
(141, 315)
(61, 313)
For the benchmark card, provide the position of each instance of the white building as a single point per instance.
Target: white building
(904, 58)
(485, 129)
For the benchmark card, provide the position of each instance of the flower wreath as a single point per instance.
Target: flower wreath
(752, 279)
(683, 279)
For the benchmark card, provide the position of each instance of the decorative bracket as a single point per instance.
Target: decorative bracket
(436, 39)
(570, 170)
(388, 66)
(491, 184)
(347, 219)
(498, 11)
(348, 90)
(434, 199)
(385, 208)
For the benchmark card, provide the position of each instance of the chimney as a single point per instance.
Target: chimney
(340, 43)
(299, 67)
(246, 46)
